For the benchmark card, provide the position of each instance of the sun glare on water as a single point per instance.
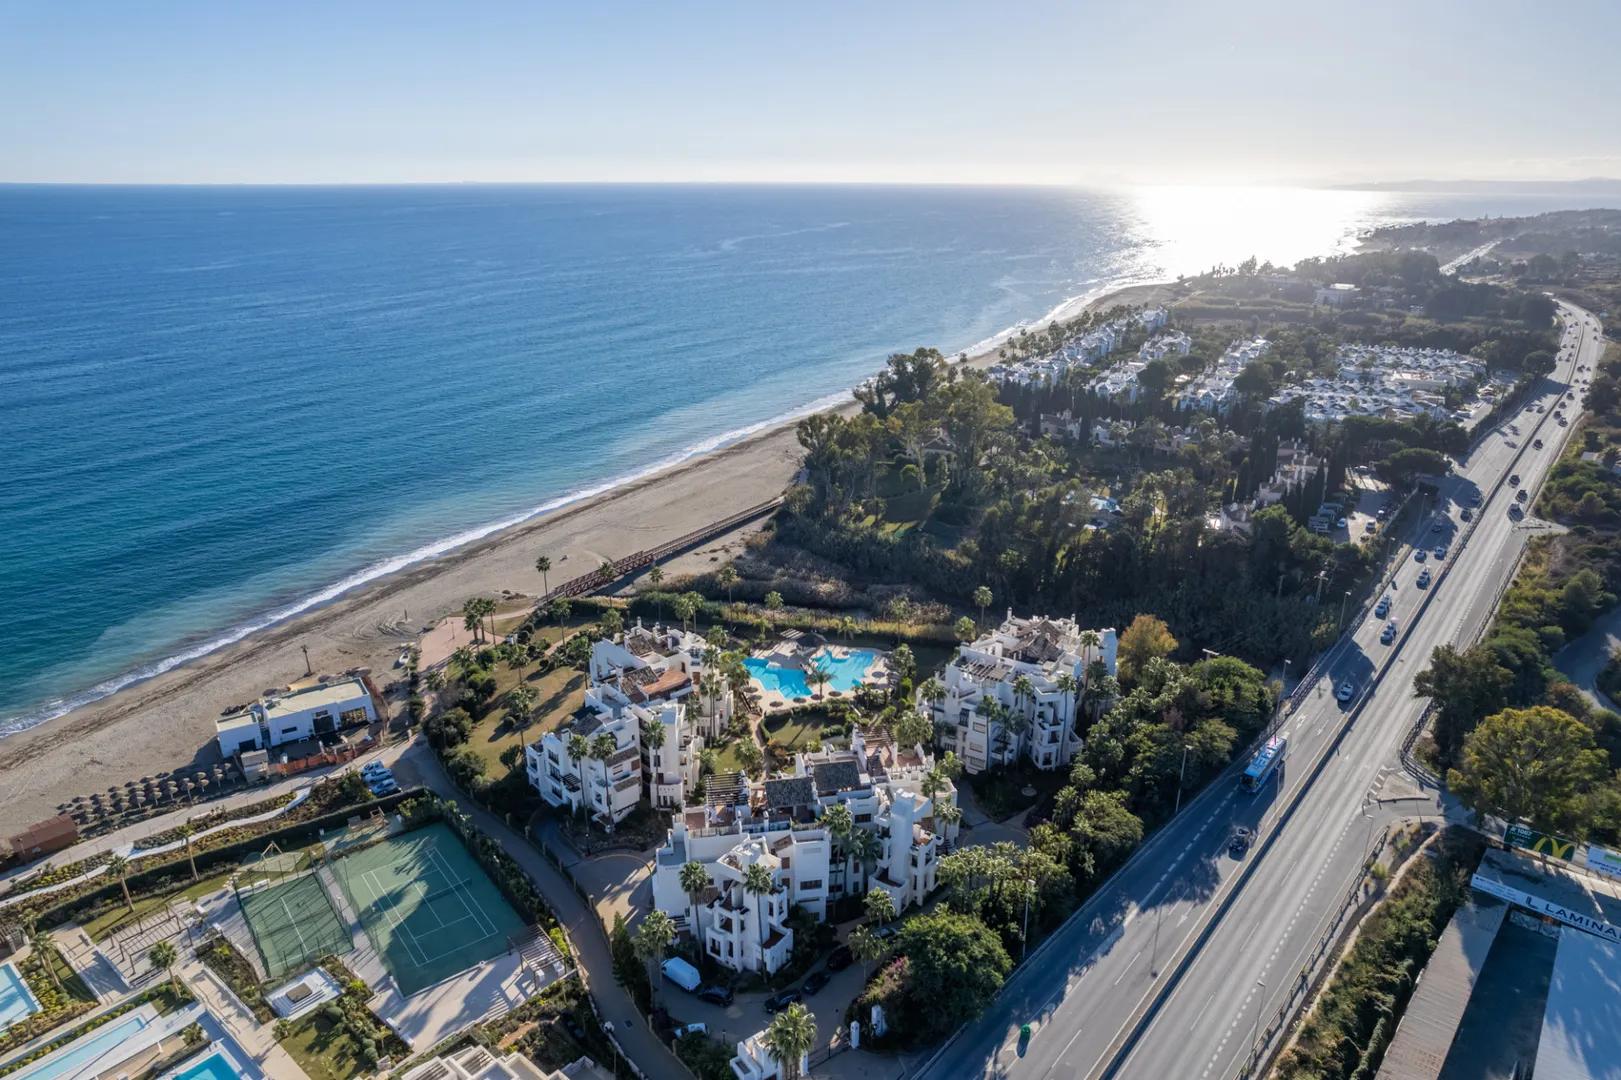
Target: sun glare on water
(1187, 230)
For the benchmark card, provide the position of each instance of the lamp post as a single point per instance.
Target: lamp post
(1343, 602)
(1024, 937)
(1256, 1028)
(1180, 776)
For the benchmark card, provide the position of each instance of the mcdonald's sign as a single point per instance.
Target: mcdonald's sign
(1523, 836)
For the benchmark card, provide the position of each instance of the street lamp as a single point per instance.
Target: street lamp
(1180, 776)
(1343, 602)
(1024, 939)
(1256, 1028)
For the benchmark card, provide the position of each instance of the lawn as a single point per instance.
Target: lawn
(1000, 792)
(726, 759)
(561, 693)
(323, 1049)
(797, 731)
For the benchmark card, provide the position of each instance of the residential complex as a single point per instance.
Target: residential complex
(648, 708)
(1385, 380)
(1212, 390)
(740, 919)
(1015, 691)
(1082, 351)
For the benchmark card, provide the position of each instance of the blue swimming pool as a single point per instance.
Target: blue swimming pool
(75, 1056)
(16, 1000)
(847, 672)
(215, 1066)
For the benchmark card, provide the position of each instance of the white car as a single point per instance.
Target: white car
(691, 1029)
(374, 769)
(1346, 691)
(1389, 633)
(384, 786)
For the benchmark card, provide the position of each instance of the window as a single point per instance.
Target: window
(350, 717)
(811, 886)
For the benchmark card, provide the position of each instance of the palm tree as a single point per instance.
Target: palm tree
(604, 746)
(773, 601)
(847, 627)
(932, 691)
(118, 867)
(694, 878)
(544, 565)
(683, 608)
(757, 882)
(559, 609)
(655, 578)
(473, 618)
(43, 948)
(652, 938)
(866, 946)
(840, 825)
(791, 1035)
(750, 756)
(164, 956)
(187, 831)
(818, 674)
(578, 750)
(653, 734)
(982, 600)
(520, 700)
(965, 629)
(612, 622)
(947, 813)
(879, 906)
(864, 847)
(727, 578)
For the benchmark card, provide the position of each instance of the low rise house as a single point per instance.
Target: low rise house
(1212, 390)
(304, 711)
(1337, 295)
(1017, 690)
(1397, 382)
(480, 1063)
(778, 825)
(755, 1061)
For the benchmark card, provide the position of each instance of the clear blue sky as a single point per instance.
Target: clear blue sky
(1173, 92)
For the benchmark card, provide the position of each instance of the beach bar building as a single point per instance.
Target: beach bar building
(307, 712)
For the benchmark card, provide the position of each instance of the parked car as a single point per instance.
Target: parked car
(1423, 580)
(385, 787)
(816, 980)
(1369, 525)
(778, 1002)
(1347, 689)
(884, 933)
(684, 1030)
(681, 973)
(1240, 842)
(1340, 524)
(374, 769)
(840, 958)
(1389, 633)
(715, 995)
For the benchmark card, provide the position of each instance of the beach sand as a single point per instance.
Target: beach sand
(167, 722)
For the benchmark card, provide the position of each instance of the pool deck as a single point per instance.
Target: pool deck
(796, 655)
(15, 980)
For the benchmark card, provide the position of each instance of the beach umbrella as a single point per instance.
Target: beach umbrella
(188, 785)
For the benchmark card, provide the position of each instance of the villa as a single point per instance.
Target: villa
(643, 681)
(1212, 390)
(1016, 691)
(755, 1061)
(778, 824)
(305, 711)
(478, 1063)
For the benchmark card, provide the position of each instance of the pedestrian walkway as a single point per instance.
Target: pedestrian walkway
(256, 1040)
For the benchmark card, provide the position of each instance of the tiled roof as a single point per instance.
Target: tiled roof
(788, 791)
(835, 776)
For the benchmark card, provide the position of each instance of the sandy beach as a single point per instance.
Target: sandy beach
(167, 722)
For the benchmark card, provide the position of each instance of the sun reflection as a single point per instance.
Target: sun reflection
(1187, 229)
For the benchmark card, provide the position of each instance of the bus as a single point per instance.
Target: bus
(1267, 760)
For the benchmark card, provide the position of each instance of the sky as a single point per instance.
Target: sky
(1172, 92)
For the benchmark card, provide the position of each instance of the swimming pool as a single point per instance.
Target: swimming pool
(846, 672)
(214, 1066)
(73, 1057)
(16, 1000)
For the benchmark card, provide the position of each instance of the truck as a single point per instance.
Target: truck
(681, 973)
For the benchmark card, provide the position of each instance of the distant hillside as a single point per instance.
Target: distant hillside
(1597, 185)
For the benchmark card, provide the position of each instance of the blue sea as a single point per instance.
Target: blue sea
(222, 406)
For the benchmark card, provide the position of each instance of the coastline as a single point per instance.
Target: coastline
(165, 721)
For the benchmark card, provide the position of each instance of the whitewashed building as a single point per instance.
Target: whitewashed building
(778, 823)
(301, 712)
(755, 1061)
(645, 681)
(1036, 671)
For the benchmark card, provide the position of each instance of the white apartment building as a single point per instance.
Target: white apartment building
(1397, 382)
(478, 1063)
(1170, 343)
(1082, 351)
(302, 712)
(1035, 668)
(642, 681)
(1212, 391)
(777, 823)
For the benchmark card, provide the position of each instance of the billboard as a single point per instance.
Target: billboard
(1601, 860)
(1523, 836)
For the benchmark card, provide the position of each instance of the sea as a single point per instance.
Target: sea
(222, 406)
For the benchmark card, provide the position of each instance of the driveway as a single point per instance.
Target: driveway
(1583, 659)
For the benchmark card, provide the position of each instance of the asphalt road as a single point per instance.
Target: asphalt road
(1169, 970)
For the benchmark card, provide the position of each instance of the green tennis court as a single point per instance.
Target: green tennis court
(427, 905)
(293, 923)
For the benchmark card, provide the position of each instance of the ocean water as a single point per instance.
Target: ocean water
(221, 406)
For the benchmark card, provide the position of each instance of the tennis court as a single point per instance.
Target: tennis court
(427, 905)
(293, 923)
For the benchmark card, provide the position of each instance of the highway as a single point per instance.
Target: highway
(1170, 969)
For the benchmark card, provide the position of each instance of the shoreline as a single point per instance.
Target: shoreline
(165, 720)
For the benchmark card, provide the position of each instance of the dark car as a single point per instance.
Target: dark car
(840, 958)
(715, 995)
(1240, 843)
(816, 980)
(778, 1002)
